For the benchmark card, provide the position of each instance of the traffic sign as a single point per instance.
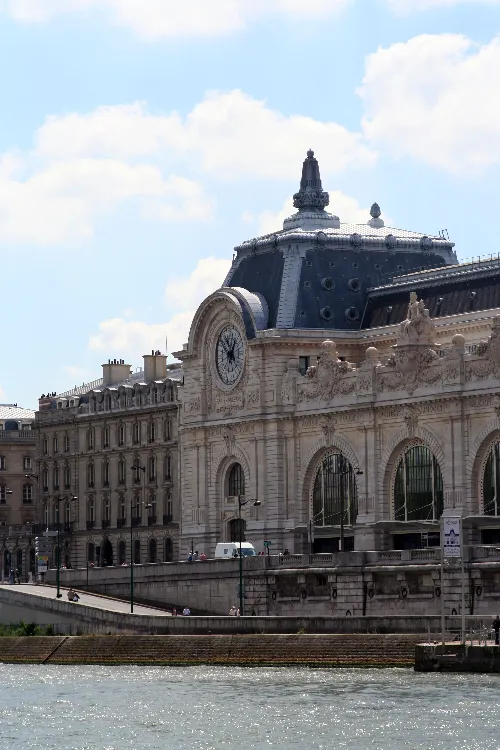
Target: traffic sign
(267, 543)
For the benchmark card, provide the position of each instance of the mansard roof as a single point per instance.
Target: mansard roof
(316, 272)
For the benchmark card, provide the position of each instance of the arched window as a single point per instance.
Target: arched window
(90, 474)
(122, 513)
(55, 477)
(122, 553)
(45, 446)
(19, 561)
(105, 437)
(491, 482)
(152, 431)
(418, 486)
(137, 552)
(152, 468)
(168, 429)
(121, 434)
(66, 443)
(108, 403)
(91, 552)
(169, 550)
(55, 444)
(105, 474)
(67, 476)
(46, 514)
(236, 481)
(167, 507)
(152, 550)
(45, 479)
(91, 510)
(67, 514)
(121, 470)
(90, 439)
(136, 432)
(106, 511)
(334, 492)
(168, 467)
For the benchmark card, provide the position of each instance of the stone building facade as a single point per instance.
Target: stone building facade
(18, 450)
(347, 377)
(108, 472)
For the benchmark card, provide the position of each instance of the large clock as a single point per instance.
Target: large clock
(229, 355)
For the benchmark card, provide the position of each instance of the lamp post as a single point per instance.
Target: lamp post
(136, 467)
(242, 503)
(343, 473)
(58, 572)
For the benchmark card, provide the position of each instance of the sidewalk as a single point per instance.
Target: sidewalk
(89, 600)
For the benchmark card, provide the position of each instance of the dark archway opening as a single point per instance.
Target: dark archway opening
(152, 550)
(169, 550)
(122, 553)
(107, 553)
(137, 552)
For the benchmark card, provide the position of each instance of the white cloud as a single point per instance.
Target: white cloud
(435, 98)
(230, 135)
(85, 166)
(60, 203)
(133, 338)
(344, 206)
(407, 6)
(156, 19)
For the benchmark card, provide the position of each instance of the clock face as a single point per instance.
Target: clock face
(229, 355)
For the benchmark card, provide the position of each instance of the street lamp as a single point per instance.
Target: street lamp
(344, 473)
(58, 574)
(242, 503)
(136, 467)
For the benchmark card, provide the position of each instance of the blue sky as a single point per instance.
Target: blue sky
(140, 140)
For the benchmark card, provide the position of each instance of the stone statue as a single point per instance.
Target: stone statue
(418, 327)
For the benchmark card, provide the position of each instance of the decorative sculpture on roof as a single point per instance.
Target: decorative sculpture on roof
(418, 327)
(330, 377)
(488, 355)
(311, 196)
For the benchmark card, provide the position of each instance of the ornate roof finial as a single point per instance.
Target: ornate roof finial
(375, 221)
(311, 196)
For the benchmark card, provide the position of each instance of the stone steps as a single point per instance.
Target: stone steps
(314, 650)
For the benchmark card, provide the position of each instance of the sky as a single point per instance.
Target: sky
(141, 140)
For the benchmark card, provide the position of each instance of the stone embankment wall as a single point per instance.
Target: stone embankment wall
(236, 650)
(376, 584)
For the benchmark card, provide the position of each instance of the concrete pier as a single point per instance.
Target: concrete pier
(455, 657)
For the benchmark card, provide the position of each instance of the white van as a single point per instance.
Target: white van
(228, 550)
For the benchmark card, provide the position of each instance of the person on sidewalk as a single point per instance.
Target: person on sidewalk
(496, 628)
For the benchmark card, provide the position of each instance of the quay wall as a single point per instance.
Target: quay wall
(355, 584)
(455, 657)
(224, 650)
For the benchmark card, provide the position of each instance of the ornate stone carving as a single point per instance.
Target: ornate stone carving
(328, 426)
(418, 327)
(327, 378)
(253, 396)
(411, 420)
(193, 405)
(453, 365)
(288, 383)
(488, 355)
(229, 440)
(366, 380)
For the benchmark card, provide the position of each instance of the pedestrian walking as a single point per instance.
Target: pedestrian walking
(232, 612)
(496, 628)
(174, 611)
(186, 611)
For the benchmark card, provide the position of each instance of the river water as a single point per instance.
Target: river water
(199, 708)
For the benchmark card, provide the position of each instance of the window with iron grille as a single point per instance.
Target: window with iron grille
(335, 492)
(418, 486)
(236, 481)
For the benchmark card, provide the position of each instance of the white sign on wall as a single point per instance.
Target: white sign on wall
(452, 536)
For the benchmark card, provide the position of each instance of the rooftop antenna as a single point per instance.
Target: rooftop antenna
(166, 345)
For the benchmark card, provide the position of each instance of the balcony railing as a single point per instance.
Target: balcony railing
(90, 524)
(121, 522)
(105, 523)
(17, 436)
(151, 520)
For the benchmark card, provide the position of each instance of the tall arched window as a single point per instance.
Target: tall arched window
(55, 477)
(152, 469)
(137, 552)
(122, 553)
(121, 470)
(46, 514)
(168, 550)
(90, 438)
(236, 481)
(90, 474)
(45, 479)
(105, 474)
(105, 437)
(168, 467)
(67, 476)
(418, 486)
(335, 492)
(152, 551)
(491, 482)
